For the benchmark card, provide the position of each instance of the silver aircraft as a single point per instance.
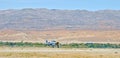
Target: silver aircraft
(53, 43)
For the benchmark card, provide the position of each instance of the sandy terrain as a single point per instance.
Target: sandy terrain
(58, 53)
(63, 36)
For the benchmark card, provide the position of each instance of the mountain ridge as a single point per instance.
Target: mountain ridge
(42, 18)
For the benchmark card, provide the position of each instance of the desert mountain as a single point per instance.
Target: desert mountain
(39, 19)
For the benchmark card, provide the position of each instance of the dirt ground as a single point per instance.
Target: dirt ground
(6, 52)
(63, 36)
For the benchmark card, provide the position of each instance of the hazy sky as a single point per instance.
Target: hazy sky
(61, 4)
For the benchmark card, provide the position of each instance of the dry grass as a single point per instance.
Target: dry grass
(39, 53)
(55, 55)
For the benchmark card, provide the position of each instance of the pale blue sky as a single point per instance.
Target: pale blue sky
(61, 4)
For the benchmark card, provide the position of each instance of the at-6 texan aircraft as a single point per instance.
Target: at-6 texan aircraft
(53, 43)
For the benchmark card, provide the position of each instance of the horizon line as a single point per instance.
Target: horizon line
(56, 9)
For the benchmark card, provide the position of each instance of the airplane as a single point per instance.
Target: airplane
(52, 43)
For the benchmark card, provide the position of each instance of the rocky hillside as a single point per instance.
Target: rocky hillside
(39, 19)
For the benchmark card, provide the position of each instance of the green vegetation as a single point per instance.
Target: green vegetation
(90, 45)
(21, 44)
(72, 45)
